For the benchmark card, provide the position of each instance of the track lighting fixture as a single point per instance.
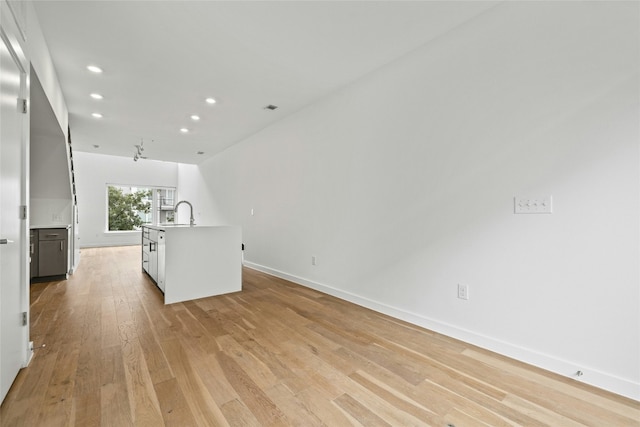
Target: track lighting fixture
(139, 149)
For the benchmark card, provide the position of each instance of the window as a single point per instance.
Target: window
(165, 198)
(130, 207)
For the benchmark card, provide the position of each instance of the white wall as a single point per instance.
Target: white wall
(50, 183)
(43, 65)
(402, 186)
(93, 173)
(193, 188)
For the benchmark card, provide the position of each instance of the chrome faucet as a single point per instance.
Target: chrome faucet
(191, 220)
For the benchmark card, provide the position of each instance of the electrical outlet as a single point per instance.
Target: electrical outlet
(313, 260)
(251, 212)
(533, 205)
(463, 291)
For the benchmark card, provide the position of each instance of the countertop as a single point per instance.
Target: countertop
(39, 226)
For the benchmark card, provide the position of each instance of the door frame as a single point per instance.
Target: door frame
(15, 41)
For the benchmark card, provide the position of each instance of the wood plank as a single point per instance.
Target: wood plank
(296, 411)
(114, 404)
(110, 335)
(196, 332)
(115, 408)
(143, 400)
(209, 371)
(458, 417)
(359, 344)
(324, 408)
(427, 394)
(274, 354)
(200, 402)
(275, 364)
(28, 401)
(626, 408)
(254, 368)
(89, 360)
(238, 415)
(400, 401)
(58, 401)
(87, 409)
(360, 412)
(334, 383)
(263, 408)
(173, 403)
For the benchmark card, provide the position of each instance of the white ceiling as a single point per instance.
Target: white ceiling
(161, 59)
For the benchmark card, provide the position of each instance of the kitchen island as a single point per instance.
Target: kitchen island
(189, 262)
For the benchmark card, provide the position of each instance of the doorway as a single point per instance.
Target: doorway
(13, 225)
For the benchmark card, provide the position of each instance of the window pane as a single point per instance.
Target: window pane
(165, 202)
(129, 207)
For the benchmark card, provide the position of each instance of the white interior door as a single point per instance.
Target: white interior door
(11, 280)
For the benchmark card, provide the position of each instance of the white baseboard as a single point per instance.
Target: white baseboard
(29, 355)
(550, 363)
(107, 245)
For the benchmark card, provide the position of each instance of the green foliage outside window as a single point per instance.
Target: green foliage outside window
(127, 210)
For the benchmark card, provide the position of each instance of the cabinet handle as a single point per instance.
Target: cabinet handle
(151, 246)
(31, 246)
(61, 244)
(52, 235)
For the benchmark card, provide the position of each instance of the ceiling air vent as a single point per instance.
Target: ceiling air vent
(270, 107)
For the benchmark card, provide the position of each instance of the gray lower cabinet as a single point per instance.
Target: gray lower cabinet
(52, 252)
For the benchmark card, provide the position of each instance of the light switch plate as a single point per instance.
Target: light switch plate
(533, 205)
(463, 291)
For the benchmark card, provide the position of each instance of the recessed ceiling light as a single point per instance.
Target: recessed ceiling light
(210, 101)
(195, 118)
(97, 115)
(270, 107)
(200, 152)
(96, 146)
(96, 96)
(184, 130)
(94, 69)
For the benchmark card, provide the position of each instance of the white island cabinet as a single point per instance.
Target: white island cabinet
(190, 262)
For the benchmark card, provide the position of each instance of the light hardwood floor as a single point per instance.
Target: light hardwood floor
(275, 354)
